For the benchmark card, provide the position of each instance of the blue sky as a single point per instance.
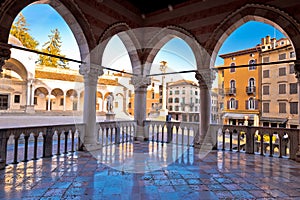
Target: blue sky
(42, 19)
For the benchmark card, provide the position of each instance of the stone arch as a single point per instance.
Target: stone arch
(164, 35)
(254, 12)
(16, 66)
(78, 25)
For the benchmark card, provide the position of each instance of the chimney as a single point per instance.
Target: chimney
(263, 41)
(268, 40)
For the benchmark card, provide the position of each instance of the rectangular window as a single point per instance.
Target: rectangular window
(266, 107)
(171, 92)
(222, 73)
(293, 88)
(266, 90)
(176, 108)
(183, 99)
(294, 108)
(176, 91)
(196, 100)
(191, 100)
(282, 71)
(292, 69)
(282, 56)
(196, 92)
(17, 98)
(183, 91)
(266, 59)
(282, 107)
(266, 74)
(61, 102)
(282, 88)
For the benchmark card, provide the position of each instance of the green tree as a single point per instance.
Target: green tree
(53, 47)
(20, 30)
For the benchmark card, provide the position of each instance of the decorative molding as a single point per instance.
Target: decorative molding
(140, 81)
(205, 78)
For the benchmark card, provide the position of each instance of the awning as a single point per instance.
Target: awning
(270, 119)
(238, 116)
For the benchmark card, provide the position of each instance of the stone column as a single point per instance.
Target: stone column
(49, 100)
(140, 99)
(205, 78)
(30, 97)
(78, 101)
(297, 72)
(65, 100)
(91, 75)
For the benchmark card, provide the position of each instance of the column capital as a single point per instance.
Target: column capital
(205, 78)
(4, 54)
(140, 81)
(297, 71)
(91, 73)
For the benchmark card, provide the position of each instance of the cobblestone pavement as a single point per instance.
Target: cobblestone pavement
(218, 175)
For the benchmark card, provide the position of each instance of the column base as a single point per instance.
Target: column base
(110, 116)
(91, 147)
(29, 109)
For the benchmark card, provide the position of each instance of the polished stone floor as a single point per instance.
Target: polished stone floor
(187, 174)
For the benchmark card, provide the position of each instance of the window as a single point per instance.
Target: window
(251, 82)
(176, 108)
(61, 103)
(282, 71)
(170, 108)
(232, 104)
(183, 91)
(232, 84)
(191, 100)
(266, 74)
(196, 92)
(251, 65)
(221, 106)
(196, 109)
(266, 107)
(196, 100)
(176, 91)
(282, 89)
(222, 73)
(183, 99)
(183, 108)
(294, 108)
(129, 105)
(292, 69)
(171, 92)
(251, 104)
(282, 107)
(152, 84)
(232, 68)
(266, 59)
(153, 95)
(3, 102)
(293, 88)
(282, 56)
(170, 100)
(176, 100)
(17, 98)
(266, 90)
(292, 54)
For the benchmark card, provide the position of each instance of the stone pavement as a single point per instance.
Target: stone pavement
(217, 175)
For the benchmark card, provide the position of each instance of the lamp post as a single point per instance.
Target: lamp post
(163, 111)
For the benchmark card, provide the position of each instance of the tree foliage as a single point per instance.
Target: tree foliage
(21, 31)
(53, 47)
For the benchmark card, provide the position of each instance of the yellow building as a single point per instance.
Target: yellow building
(240, 87)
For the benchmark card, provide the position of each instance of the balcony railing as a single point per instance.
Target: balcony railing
(35, 142)
(250, 90)
(230, 91)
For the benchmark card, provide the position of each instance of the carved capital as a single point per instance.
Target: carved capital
(91, 73)
(4, 54)
(140, 81)
(297, 71)
(205, 78)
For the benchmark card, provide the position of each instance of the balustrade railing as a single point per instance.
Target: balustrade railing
(181, 133)
(36, 142)
(115, 132)
(259, 140)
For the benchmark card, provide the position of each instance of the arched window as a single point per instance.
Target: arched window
(251, 64)
(176, 100)
(170, 100)
(232, 104)
(251, 103)
(232, 68)
(251, 82)
(232, 88)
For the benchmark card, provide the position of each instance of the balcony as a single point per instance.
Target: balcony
(250, 90)
(170, 160)
(230, 91)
